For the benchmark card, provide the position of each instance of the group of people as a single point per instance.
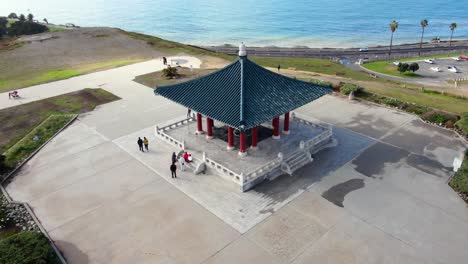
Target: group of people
(181, 159)
(143, 142)
(13, 94)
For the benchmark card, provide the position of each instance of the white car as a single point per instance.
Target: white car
(456, 58)
(396, 63)
(430, 61)
(453, 69)
(436, 69)
(364, 49)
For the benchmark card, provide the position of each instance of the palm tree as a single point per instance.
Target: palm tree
(424, 24)
(452, 26)
(393, 27)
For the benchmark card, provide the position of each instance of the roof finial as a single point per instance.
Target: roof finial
(242, 50)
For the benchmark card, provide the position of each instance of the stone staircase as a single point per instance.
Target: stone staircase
(296, 161)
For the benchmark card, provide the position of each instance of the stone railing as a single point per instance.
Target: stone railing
(236, 177)
(176, 124)
(264, 169)
(316, 140)
(160, 133)
(301, 119)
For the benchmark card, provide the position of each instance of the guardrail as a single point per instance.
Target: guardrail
(236, 177)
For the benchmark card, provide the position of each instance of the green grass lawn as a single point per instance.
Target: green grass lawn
(442, 102)
(388, 68)
(155, 79)
(35, 78)
(313, 65)
(28, 145)
(56, 28)
(20, 120)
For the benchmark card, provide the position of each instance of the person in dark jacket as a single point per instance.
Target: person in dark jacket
(174, 157)
(173, 170)
(140, 144)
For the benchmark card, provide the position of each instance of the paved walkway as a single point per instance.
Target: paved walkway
(380, 196)
(113, 80)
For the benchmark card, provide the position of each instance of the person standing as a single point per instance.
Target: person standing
(182, 164)
(140, 144)
(279, 67)
(189, 113)
(173, 170)
(146, 142)
(164, 61)
(174, 158)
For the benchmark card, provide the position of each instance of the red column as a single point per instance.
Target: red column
(209, 128)
(254, 138)
(199, 124)
(242, 148)
(230, 138)
(286, 124)
(276, 134)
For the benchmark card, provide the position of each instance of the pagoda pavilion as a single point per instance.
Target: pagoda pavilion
(243, 95)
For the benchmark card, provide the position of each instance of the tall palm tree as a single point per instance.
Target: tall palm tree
(452, 26)
(424, 24)
(393, 27)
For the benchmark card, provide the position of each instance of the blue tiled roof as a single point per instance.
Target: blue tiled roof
(243, 94)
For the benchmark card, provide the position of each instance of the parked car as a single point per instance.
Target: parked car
(364, 49)
(453, 69)
(436, 69)
(456, 58)
(396, 63)
(430, 61)
(463, 57)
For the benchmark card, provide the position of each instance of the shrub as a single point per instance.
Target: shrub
(438, 117)
(170, 72)
(392, 102)
(347, 88)
(403, 67)
(13, 16)
(3, 26)
(413, 67)
(449, 124)
(415, 109)
(3, 167)
(462, 124)
(26, 28)
(459, 182)
(27, 248)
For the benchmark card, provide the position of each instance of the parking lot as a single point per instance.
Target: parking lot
(427, 70)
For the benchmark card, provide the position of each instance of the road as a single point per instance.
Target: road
(374, 53)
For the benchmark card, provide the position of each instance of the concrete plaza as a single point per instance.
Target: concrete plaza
(379, 196)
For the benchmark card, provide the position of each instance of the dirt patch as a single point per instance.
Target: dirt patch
(156, 79)
(19, 120)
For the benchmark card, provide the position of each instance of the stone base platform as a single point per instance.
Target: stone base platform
(271, 157)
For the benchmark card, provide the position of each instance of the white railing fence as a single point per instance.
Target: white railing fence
(236, 177)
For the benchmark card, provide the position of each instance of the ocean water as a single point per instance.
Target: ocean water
(287, 23)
